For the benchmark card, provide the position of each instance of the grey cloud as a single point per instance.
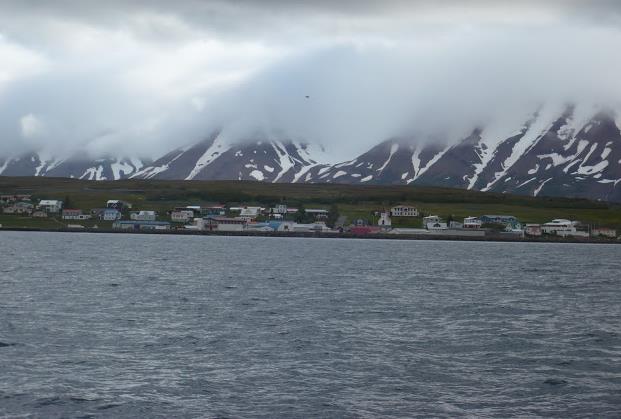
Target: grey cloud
(372, 69)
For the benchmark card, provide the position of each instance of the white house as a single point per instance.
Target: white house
(562, 227)
(19, 208)
(604, 232)
(404, 211)
(249, 213)
(472, 222)
(74, 214)
(181, 216)
(51, 205)
(384, 220)
(279, 209)
(143, 216)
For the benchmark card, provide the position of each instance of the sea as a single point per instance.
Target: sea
(150, 326)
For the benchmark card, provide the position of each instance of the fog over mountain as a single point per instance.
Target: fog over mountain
(473, 94)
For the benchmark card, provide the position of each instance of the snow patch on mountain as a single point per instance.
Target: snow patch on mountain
(539, 126)
(219, 146)
(258, 175)
(284, 160)
(393, 150)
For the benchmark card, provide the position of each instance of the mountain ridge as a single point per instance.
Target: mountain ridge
(564, 154)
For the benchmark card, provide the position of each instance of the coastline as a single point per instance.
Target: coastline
(381, 236)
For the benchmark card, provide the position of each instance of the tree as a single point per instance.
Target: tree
(300, 215)
(333, 215)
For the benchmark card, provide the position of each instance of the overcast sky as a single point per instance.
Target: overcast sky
(145, 76)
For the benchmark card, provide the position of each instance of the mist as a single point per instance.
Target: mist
(158, 77)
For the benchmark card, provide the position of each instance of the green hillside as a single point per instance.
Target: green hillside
(354, 201)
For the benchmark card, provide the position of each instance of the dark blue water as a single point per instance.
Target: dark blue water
(170, 326)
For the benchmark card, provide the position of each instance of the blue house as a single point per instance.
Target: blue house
(110, 214)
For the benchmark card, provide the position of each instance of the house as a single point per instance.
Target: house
(143, 215)
(439, 225)
(431, 219)
(604, 232)
(533, 230)
(249, 213)
(141, 225)
(562, 227)
(317, 213)
(502, 220)
(433, 222)
(182, 216)
(280, 209)
(20, 208)
(110, 214)
(472, 222)
(216, 223)
(213, 210)
(384, 219)
(7, 199)
(118, 204)
(74, 214)
(404, 211)
(50, 206)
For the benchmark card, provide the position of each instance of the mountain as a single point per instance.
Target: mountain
(217, 159)
(79, 166)
(569, 152)
(563, 156)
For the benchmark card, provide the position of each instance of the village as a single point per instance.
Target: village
(120, 215)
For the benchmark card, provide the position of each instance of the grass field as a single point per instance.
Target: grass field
(354, 201)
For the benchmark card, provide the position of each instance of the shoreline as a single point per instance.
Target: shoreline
(381, 236)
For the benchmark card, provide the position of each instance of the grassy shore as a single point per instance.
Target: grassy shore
(354, 201)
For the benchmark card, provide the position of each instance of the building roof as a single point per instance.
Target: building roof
(49, 202)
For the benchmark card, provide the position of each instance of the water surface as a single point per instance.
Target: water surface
(160, 326)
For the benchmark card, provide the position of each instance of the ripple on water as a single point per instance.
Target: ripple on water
(307, 327)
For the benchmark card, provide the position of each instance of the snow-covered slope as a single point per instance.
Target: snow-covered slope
(219, 159)
(78, 166)
(563, 151)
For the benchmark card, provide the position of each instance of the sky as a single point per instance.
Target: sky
(142, 77)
